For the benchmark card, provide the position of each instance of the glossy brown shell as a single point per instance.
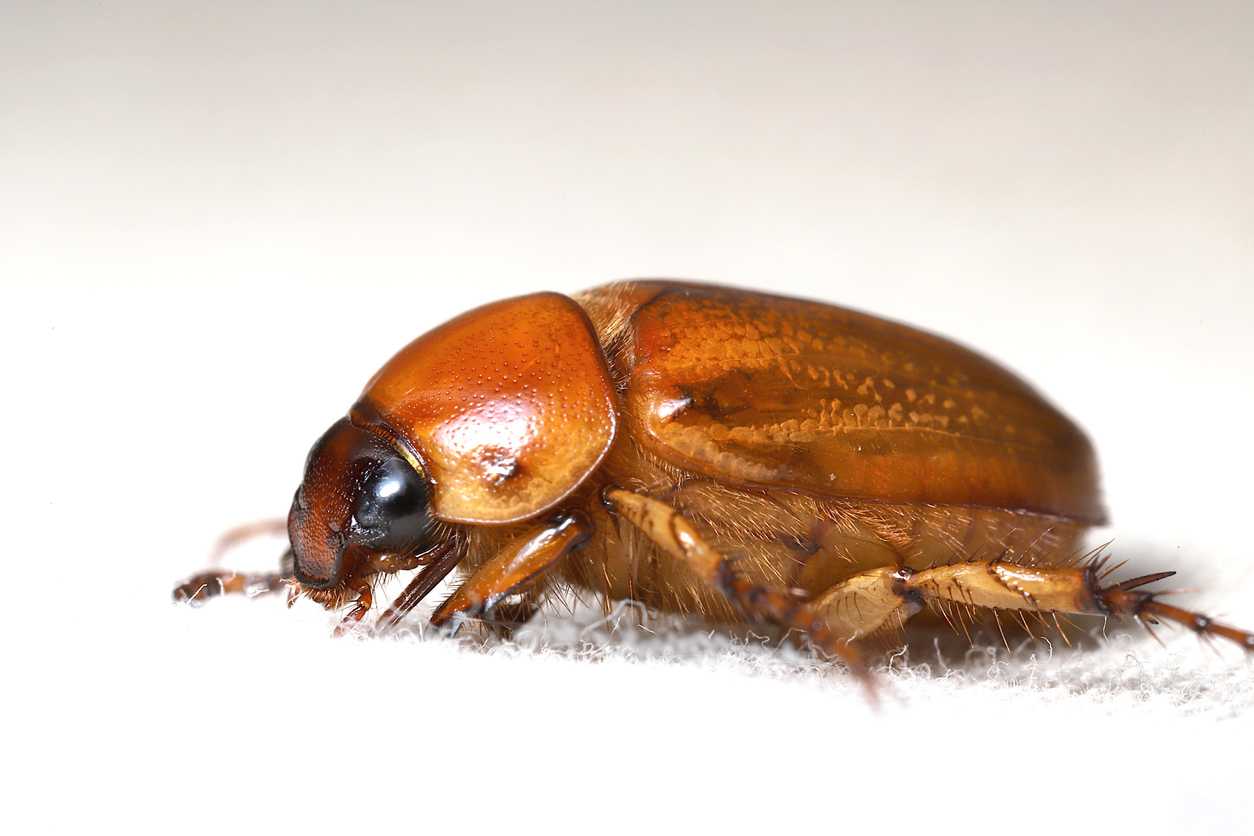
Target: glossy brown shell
(758, 390)
(507, 408)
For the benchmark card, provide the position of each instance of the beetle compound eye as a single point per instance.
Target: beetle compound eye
(391, 511)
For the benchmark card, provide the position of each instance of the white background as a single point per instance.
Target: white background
(216, 220)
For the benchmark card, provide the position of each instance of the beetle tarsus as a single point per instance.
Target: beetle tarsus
(1124, 600)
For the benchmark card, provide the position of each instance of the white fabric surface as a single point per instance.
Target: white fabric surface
(217, 220)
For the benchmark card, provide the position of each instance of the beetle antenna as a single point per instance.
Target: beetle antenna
(234, 537)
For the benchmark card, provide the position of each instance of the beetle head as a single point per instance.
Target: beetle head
(359, 500)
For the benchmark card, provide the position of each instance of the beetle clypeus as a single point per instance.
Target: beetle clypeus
(707, 450)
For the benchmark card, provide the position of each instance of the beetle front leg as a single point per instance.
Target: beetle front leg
(670, 530)
(437, 564)
(201, 587)
(214, 582)
(514, 569)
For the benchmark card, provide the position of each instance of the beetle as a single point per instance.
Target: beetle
(702, 449)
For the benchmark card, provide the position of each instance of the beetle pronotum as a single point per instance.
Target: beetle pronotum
(706, 450)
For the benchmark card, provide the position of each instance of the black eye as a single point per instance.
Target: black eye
(391, 507)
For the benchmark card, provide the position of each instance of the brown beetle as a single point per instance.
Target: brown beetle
(706, 450)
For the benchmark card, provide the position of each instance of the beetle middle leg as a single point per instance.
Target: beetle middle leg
(513, 570)
(670, 530)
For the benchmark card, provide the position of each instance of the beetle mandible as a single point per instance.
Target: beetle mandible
(701, 449)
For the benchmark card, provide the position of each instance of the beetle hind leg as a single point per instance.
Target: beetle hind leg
(1126, 600)
(867, 603)
(1000, 585)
